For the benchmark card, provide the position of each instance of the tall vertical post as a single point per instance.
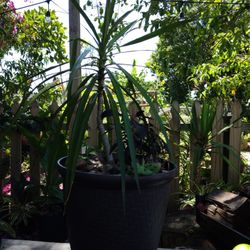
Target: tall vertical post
(217, 152)
(235, 142)
(16, 159)
(175, 126)
(35, 157)
(74, 35)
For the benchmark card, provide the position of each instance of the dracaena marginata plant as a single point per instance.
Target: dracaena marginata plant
(102, 88)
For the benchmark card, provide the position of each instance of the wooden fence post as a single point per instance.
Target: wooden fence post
(35, 157)
(153, 120)
(235, 142)
(15, 158)
(1, 158)
(217, 152)
(174, 137)
(197, 107)
(133, 109)
(53, 107)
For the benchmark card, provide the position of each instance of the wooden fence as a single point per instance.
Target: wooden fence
(219, 168)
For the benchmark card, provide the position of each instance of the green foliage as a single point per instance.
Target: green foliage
(148, 168)
(201, 133)
(102, 88)
(8, 25)
(209, 54)
(5, 228)
(41, 41)
(37, 44)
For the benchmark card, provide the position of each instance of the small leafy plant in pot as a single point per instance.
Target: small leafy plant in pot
(116, 198)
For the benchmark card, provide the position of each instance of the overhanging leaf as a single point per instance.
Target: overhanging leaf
(121, 149)
(145, 95)
(85, 16)
(158, 32)
(126, 120)
(80, 126)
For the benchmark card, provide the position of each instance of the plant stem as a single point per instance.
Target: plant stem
(101, 128)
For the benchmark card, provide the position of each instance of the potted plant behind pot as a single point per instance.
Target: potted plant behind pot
(109, 205)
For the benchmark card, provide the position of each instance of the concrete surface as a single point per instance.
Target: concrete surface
(39, 245)
(32, 245)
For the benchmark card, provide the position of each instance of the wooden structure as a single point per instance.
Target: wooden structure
(217, 165)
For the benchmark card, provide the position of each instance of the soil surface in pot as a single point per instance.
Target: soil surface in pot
(96, 164)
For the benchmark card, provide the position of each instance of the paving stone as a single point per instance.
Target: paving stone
(38, 245)
(32, 245)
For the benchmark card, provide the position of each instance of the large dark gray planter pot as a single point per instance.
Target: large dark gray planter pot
(96, 218)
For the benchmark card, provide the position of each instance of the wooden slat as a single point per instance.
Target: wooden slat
(175, 144)
(133, 109)
(153, 120)
(1, 157)
(15, 158)
(35, 158)
(216, 153)
(193, 180)
(235, 142)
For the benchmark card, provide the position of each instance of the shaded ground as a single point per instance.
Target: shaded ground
(182, 232)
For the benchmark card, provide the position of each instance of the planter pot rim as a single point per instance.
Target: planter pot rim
(107, 181)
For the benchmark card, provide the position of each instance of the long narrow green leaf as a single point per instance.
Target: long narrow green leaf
(29, 98)
(45, 70)
(26, 103)
(145, 95)
(52, 155)
(121, 149)
(85, 16)
(119, 35)
(80, 126)
(75, 68)
(126, 121)
(88, 43)
(109, 11)
(118, 22)
(74, 98)
(159, 31)
(228, 147)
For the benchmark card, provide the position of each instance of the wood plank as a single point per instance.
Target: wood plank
(15, 158)
(235, 142)
(175, 144)
(217, 152)
(35, 157)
